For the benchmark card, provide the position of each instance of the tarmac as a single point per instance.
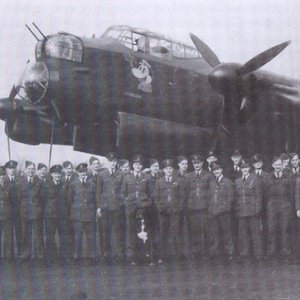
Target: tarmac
(182, 280)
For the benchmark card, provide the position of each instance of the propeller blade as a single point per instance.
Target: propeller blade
(12, 93)
(261, 59)
(208, 55)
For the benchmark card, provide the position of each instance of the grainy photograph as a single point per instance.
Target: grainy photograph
(149, 149)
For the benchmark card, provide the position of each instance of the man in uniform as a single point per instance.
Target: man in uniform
(68, 176)
(110, 211)
(219, 208)
(198, 186)
(138, 204)
(12, 181)
(5, 218)
(169, 194)
(258, 164)
(182, 163)
(31, 196)
(154, 175)
(56, 216)
(82, 200)
(248, 200)
(279, 208)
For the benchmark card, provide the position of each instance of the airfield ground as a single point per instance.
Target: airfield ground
(187, 280)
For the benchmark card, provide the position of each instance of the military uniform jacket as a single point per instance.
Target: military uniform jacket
(82, 200)
(233, 174)
(93, 177)
(279, 190)
(56, 200)
(5, 206)
(198, 189)
(184, 183)
(67, 182)
(222, 196)
(13, 195)
(152, 181)
(109, 196)
(136, 191)
(248, 196)
(169, 195)
(31, 195)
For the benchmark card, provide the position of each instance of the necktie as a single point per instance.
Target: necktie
(12, 180)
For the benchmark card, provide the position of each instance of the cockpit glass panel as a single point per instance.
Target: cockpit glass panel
(191, 52)
(160, 48)
(64, 46)
(178, 50)
(33, 83)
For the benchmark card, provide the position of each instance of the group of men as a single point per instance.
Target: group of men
(155, 214)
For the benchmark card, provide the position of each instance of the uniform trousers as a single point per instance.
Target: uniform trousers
(183, 233)
(132, 215)
(53, 225)
(5, 229)
(111, 233)
(278, 225)
(249, 230)
(198, 231)
(169, 237)
(220, 233)
(16, 228)
(31, 229)
(87, 228)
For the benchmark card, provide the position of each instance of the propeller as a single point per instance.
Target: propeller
(209, 56)
(236, 82)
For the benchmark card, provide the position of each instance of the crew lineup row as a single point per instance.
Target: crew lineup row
(159, 214)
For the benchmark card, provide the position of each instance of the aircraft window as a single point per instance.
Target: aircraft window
(160, 48)
(113, 33)
(64, 46)
(139, 43)
(191, 52)
(33, 83)
(178, 50)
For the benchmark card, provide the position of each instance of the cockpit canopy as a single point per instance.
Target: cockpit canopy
(62, 46)
(157, 45)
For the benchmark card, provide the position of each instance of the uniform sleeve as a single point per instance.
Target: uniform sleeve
(70, 195)
(156, 193)
(258, 191)
(124, 193)
(230, 187)
(42, 194)
(99, 186)
(297, 194)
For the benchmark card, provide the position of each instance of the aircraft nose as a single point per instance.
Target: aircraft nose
(6, 108)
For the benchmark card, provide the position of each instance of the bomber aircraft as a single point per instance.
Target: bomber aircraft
(136, 91)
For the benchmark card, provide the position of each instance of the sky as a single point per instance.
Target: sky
(236, 30)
